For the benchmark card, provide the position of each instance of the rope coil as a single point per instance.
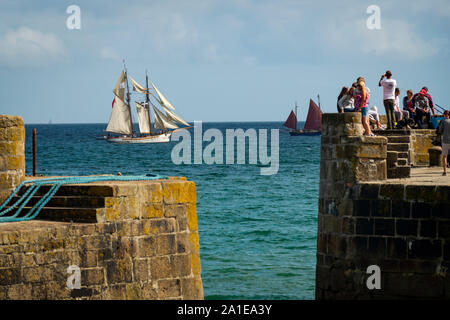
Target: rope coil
(55, 184)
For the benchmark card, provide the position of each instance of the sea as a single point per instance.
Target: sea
(257, 232)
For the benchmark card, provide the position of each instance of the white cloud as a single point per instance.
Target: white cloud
(28, 47)
(395, 39)
(108, 53)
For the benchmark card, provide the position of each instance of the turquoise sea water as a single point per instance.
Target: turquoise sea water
(257, 233)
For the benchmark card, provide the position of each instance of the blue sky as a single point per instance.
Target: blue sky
(215, 60)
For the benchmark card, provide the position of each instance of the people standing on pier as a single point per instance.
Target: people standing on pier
(389, 86)
(444, 131)
(422, 107)
(408, 105)
(397, 111)
(361, 104)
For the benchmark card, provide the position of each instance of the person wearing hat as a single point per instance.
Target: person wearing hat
(427, 95)
(389, 86)
(422, 106)
(444, 131)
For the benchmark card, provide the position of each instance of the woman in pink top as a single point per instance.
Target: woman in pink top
(361, 103)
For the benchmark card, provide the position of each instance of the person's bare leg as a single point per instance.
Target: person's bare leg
(366, 126)
(444, 164)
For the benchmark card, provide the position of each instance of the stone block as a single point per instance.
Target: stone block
(380, 208)
(147, 246)
(392, 191)
(424, 249)
(377, 247)
(401, 209)
(179, 192)
(169, 288)
(361, 208)
(161, 268)
(384, 227)
(421, 210)
(406, 227)
(92, 277)
(396, 248)
(119, 271)
(428, 229)
(420, 193)
(444, 229)
(348, 225)
(370, 191)
(442, 194)
(364, 226)
(165, 244)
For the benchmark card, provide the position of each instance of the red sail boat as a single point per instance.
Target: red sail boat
(313, 123)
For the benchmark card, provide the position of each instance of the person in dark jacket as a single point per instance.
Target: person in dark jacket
(422, 107)
(430, 101)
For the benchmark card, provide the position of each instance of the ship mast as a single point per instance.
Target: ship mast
(296, 119)
(128, 97)
(147, 99)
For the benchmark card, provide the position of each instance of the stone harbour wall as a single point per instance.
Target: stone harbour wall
(12, 154)
(365, 220)
(143, 244)
(405, 230)
(108, 240)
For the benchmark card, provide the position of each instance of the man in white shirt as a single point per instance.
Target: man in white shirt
(389, 86)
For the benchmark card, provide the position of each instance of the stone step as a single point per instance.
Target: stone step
(399, 172)
(398, 139)
(75, 190)
(403, 155)
(398, 147)
(394, 132)
(63, 214)
(67, 201)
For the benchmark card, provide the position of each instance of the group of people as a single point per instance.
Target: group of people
(356, 99)
(415, 106)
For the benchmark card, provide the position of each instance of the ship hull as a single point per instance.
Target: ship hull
(159, 138)
(305, 133)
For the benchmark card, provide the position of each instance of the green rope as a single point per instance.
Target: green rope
(55, 184)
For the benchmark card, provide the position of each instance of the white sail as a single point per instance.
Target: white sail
(137, 87)
(166, 123)
(158, 123)
(173, 117)
(143, 118)
(120, 120)
(162, 99)
(119, 89)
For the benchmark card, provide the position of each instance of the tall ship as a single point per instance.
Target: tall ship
(313, 124)
(120, 126)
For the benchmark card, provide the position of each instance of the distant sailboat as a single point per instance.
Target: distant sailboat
(313, 123)
(121, 123)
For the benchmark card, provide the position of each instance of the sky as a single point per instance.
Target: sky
(216, 60)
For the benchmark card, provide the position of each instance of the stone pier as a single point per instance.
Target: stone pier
(365, 219)
(12, 154)
(108, 240)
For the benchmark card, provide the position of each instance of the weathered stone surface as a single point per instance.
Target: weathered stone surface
(12, 154)
(401, 225)
(144, 249)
